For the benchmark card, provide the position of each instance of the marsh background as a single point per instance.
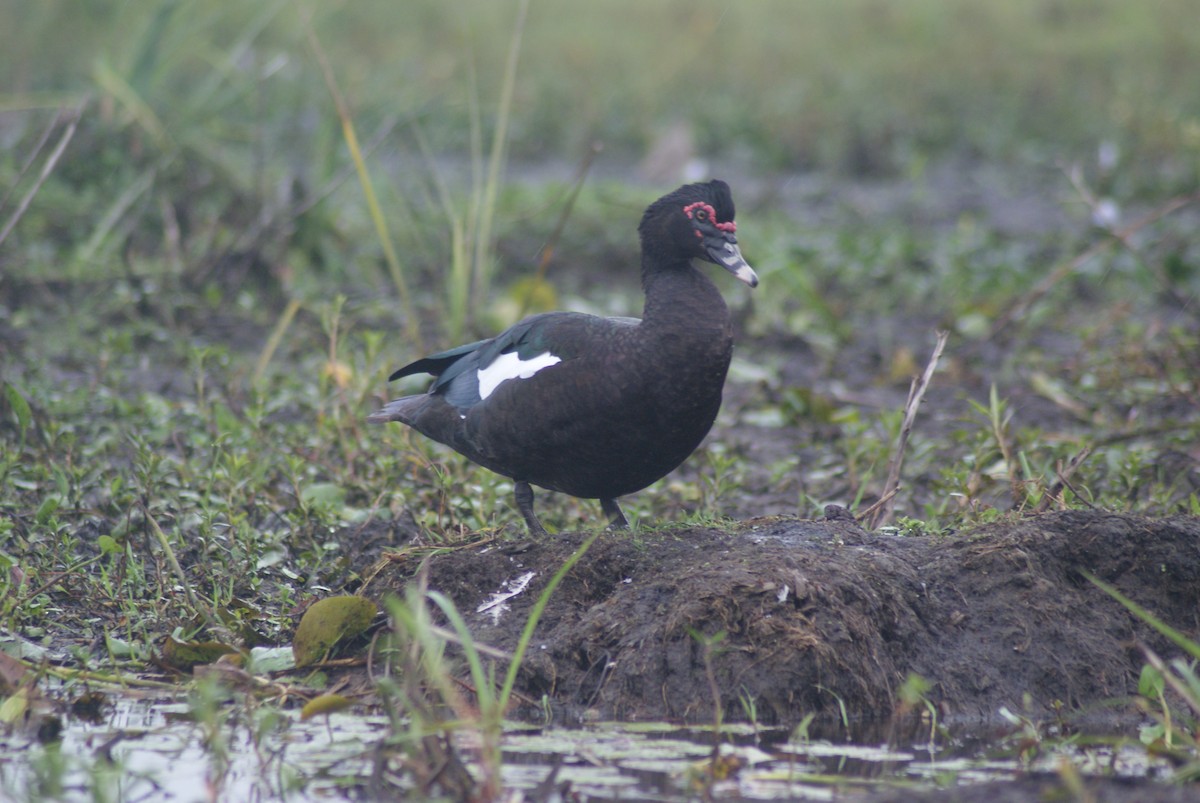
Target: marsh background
(202, 289)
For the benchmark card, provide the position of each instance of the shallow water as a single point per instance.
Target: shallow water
(154, 750)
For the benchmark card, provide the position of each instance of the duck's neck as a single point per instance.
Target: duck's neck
(681, 296)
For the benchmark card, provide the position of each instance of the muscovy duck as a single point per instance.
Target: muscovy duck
(589, 406)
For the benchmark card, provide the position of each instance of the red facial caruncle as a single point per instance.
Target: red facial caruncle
(706, 212)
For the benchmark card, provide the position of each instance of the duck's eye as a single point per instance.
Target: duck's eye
(701, 212)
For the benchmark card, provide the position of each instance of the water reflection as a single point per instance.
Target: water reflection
(154, 749)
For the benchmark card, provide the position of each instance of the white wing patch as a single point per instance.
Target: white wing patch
(510, 366)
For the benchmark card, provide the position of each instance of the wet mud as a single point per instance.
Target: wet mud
(805, 617)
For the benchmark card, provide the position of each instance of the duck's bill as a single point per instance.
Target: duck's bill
(729, 257)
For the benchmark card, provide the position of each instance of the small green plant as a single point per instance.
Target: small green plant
(721, 477)
(206, 703)
(800, 733)
(749, 708)
(911, 527)
(1152, 689)
(997, 414)
(1177, 732)
(914, 694)
(425, 646)
(1029, 736)
(843, 715)
(716, 768)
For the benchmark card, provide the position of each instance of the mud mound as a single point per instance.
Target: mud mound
(817, 614)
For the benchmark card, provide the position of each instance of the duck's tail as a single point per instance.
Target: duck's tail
(403, 410)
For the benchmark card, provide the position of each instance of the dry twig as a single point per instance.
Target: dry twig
(915, 393)
(1054, 493)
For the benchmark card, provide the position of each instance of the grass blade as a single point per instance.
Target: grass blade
(510, 678)
(87, 252)
(47, 169)
(277, 333)
(483, 688)
(1180, 640)
(364, 179)
(483, 255)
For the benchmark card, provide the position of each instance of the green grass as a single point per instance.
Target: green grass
(857, 78)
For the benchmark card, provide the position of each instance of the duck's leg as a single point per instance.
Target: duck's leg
(524, 496)
(616, 519)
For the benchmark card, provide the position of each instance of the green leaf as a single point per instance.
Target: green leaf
(324, 704)
(187, 654)
(264, 660)
(118, 648)
(226, 420)
(20, 408)
(915, 689)
(13, 709)
(324, 493)
(46, 510)
(1151, 683)
(22, 648)
(327, 622)
(1149, 734)
(108, 545)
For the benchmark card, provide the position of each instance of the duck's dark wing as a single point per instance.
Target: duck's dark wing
(457, 369)
(436, 364)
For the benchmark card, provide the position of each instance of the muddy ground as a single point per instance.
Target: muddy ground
(820, 614)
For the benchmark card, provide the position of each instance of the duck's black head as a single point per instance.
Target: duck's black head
(694, 222)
